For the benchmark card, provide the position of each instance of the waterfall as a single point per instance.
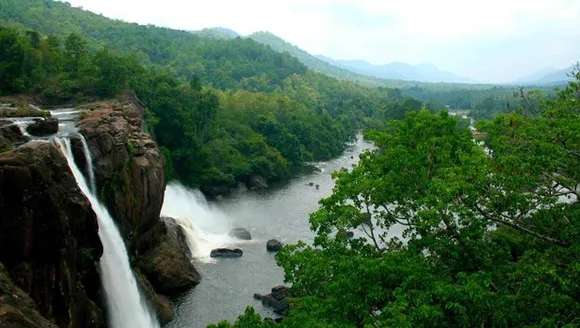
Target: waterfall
(89, 165)
(205, 227)
(126, 307)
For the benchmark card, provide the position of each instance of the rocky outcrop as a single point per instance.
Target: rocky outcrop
(129, 168)
(277, 299)
(17, 309)
(240, 233)
(168, 263)
(226, 252)
(273, 245)
(257, 182)
(42, 128)
(130, 179)
(49, 241)
(162, 306)
(10, 135)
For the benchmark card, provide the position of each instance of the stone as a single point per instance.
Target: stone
(226, 252)
(257, 182)
(162, 305)
(49, 241)
(41, 128)
(279, 306)
(240, 233)
(280, 292)
(17, 309)
(167, 260)
(10, 134)
(276, 299)
(129, 167)
(273, 245)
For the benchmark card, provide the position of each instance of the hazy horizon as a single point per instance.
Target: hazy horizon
(492, 41)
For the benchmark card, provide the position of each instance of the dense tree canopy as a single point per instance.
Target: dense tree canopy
(451, 233)
(210, 136)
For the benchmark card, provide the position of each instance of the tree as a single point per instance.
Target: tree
(452, 233)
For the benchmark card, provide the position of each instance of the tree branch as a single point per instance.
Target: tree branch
(523, 229)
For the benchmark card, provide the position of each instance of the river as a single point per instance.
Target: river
(280, 211)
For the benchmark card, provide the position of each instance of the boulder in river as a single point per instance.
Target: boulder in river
(273, 245)
(276, 299)
(10, 135)
(165, 258)
(241, 233)
(257, 182)
(43, 127)
(226, 252)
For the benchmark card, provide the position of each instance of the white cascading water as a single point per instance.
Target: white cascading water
(125, 304)
(89, 165)
(205, 227)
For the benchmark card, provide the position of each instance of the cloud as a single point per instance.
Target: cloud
(491, 40)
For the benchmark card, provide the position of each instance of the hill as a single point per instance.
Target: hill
(222, 109)
(217, 33)
(547, 77)
(400, 71)
(316, 64)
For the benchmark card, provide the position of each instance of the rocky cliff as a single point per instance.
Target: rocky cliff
(49, 242)
(130, 176)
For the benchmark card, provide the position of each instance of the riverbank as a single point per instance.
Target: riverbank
(281, 211)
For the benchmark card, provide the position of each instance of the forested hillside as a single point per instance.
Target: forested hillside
(448, 236)
(223, 110)
(483, 100)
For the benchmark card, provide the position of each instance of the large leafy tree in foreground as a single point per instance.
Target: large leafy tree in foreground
(452, 233)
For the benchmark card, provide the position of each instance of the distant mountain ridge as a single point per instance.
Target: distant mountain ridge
(547, 76)
(400, 71)
(217, 33)
(340, 70)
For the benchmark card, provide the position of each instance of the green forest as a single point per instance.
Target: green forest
(222, 110)
(489, 230)
(489, 239)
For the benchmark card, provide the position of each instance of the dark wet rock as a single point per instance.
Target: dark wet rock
(17, 309)
(226, 252)
(240, 233)
(257, 296)
(279, 306)
(10, 135)
(281, 292)
(311, 184)
(257, 182)
(42, 128)
(167, 261)
(129, 168)
(273, 245)
(277, 299)
(161, 304)
(49, 241)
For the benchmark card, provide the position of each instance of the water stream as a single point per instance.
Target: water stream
(280, 211)
(126, 307)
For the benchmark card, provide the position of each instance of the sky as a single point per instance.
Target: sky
(484, 40)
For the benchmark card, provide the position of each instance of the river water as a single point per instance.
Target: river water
(280, 211)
